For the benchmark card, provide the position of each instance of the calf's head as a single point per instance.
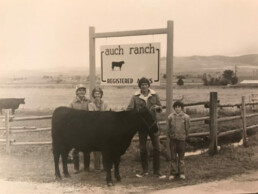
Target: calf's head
(22, 100)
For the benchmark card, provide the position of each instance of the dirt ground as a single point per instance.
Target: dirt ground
(18, 187)
(245, 183)
(233, 170)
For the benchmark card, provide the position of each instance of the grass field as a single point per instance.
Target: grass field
(48, 97)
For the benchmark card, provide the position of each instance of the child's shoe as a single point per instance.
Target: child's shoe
(160, 176)
(182, 176)
(142, 174)
(171, 177)
(76, 171)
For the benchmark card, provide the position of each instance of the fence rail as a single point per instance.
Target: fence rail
(17, 128)
(220, 134)
(32, 143)
(212, 120)
(238, 105)
(31, 118)
(4, 140)
(31, 130)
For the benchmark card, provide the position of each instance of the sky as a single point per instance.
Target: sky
(53, 34)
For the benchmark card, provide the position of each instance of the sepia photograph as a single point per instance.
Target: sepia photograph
(129, 96)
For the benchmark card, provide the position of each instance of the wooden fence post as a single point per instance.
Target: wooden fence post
(243, 114)
(213, 123)
(7, 128)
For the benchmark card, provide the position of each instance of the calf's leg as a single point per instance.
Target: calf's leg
(56, 155)
(116, 163)
(86, 160)
(64, 161)
(108, 165)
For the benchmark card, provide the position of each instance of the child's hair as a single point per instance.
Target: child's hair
(97, 89)
(178, 103)
(143, 80)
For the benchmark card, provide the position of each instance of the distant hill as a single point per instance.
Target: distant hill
(212, 63)
(246, 65)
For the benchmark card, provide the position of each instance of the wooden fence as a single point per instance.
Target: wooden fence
(212, 120)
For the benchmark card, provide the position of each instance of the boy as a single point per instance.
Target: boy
(80, 102)
(178, 127)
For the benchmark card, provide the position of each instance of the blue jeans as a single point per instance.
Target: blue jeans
(177, 149)
(86, 157)
(143, 151)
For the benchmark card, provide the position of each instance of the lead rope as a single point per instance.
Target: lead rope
(147, 123)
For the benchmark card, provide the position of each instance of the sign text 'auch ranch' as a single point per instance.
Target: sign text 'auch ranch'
(125, 64)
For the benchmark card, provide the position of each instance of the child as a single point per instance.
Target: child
(97, 105)
(178, 126)
(80, 102)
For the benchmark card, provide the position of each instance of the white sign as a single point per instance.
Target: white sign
(126, 64)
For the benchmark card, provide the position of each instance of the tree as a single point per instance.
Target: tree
(228, 74)
(204, 79)
(234, 80)
(229, 77)
(180, 81)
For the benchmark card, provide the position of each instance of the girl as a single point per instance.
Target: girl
(97, 105)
